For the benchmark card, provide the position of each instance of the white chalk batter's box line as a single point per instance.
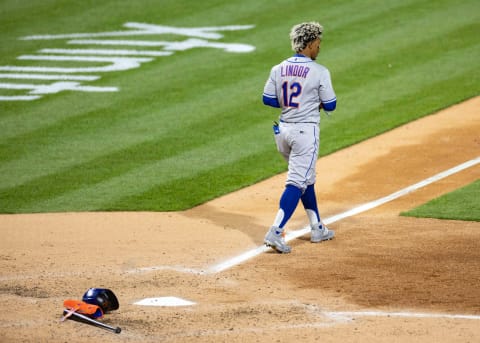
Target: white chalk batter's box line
(332, 319)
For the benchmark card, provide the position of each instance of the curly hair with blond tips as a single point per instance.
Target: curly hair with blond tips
(304, 33)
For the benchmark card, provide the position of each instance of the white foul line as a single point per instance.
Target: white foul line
(359, 209)
(249, 254)
(341, 316)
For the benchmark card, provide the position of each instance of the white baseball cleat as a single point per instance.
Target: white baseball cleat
(275, 238)
(321, 233)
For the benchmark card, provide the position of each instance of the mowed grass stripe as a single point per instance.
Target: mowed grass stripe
(90, 144)
(400, 98)
(366, 42)
(194, 190)
(97, 185)
(425, 35)
(96, 134)
(52, 108)
(391, 113)
(102, 117)
(407, 90)
(164, 81)
(169, 146)
(405, 79)
(426, 54)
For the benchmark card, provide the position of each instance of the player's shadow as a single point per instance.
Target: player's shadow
(234, 221)
(229, 221)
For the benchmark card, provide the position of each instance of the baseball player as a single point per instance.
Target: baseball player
(300, 87)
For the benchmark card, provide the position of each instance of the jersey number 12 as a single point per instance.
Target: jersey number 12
(290, 93)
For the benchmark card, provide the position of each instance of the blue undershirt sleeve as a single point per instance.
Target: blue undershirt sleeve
(271, 101)
(329, 106)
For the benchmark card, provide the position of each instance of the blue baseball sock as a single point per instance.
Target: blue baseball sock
(309, 202)
(288, 202)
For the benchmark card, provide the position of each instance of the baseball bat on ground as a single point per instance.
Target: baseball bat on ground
(87, 320)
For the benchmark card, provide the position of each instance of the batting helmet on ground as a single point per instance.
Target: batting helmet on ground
(102, 297)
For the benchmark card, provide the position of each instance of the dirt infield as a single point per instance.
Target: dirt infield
(385, 278)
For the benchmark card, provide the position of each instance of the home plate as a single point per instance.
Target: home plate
(164, 301)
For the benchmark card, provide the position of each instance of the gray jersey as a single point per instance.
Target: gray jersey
(300, 85)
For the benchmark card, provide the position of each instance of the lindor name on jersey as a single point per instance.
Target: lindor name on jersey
(294, 70)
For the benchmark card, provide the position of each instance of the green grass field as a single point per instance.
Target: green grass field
(462, 204)
(186, 128)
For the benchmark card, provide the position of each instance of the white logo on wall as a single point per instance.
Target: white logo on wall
(129, 53)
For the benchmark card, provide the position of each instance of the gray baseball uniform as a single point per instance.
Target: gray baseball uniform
(299, 86)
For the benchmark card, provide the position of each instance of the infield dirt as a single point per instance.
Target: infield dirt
(379, 261)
